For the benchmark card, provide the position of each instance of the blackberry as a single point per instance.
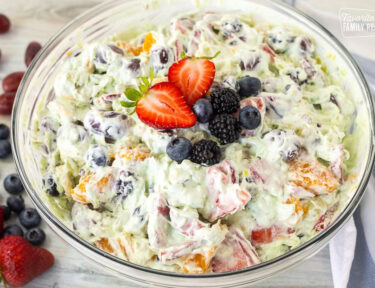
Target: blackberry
(206, 153)
(225, 127)
(225, 100)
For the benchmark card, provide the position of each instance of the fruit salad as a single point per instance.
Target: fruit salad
(209, 145)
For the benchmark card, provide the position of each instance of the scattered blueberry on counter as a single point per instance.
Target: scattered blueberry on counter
(29, 218)
(35, 236)
(6, 212)
(13, 184)
(13, 230)
(4, 131)
(5, 149)
(16, 203)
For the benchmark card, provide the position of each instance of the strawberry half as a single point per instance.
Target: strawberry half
(193, 76)
(164, 107)
(20, 262)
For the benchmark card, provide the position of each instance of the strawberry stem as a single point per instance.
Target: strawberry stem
(210, 58)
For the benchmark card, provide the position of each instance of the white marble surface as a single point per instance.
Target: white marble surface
(39, 20)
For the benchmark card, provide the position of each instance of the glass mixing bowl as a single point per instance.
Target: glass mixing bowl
(130, 17)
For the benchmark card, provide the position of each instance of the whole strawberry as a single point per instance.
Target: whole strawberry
(20, 262)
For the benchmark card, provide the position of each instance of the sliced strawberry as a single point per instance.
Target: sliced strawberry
(164, 107)
(267, 235)
(193, 76)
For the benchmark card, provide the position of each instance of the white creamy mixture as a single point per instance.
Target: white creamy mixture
(275, 188)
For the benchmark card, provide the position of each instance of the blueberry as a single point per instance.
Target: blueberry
(249, 86)
(97, 156)
(179, 149)
(203, 110)
(13, 184)
(4, 131)
(35, 236)
(6, 212)
(13, 230)
(16, 203)
(50, 185)
(29, 218)
(5, 149)
(250, 117)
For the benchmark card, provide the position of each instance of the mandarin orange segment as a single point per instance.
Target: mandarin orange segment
(149, 41)
(122, 247)
(79, 192)
(104, 244)
(134, 153)
(297, 204)
(130, 48)
(313, 176)
(198, 263)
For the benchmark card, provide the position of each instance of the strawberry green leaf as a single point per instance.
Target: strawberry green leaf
(145, 81)
(132, 112)
(151, 75)
(212, 57)
(143, 88)
(128, 104)
(183, 55)
(132, 94)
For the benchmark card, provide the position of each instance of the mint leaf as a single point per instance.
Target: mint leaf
(212, 57)
(128, 104)
(143, 88)
(145, 81)
(132, 94)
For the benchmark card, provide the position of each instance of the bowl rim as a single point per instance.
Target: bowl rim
(327, 233)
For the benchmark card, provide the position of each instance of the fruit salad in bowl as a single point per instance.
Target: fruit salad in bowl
(208, 139)
(208, 146)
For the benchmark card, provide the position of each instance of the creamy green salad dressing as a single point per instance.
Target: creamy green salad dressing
(273, 190)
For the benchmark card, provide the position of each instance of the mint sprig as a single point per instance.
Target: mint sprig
(134, 95)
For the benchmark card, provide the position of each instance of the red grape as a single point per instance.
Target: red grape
(4, 24)
(6, 102)
(12, 81)
(31, 50)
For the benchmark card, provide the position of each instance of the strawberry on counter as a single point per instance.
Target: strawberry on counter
(20, 262)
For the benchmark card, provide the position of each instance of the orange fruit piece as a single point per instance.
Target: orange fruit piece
(138, 153)
(149, 41)
(79, 192)
(104, 244)
(198, 263)
(313, 176)
(130, 48)
(297, 204)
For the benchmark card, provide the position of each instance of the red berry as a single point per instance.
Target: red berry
(21, 262)
(12, 81)
(4, 24)
(31, 50)
(1, 220)
(163, 107)
(6, 102)
(193, 77)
